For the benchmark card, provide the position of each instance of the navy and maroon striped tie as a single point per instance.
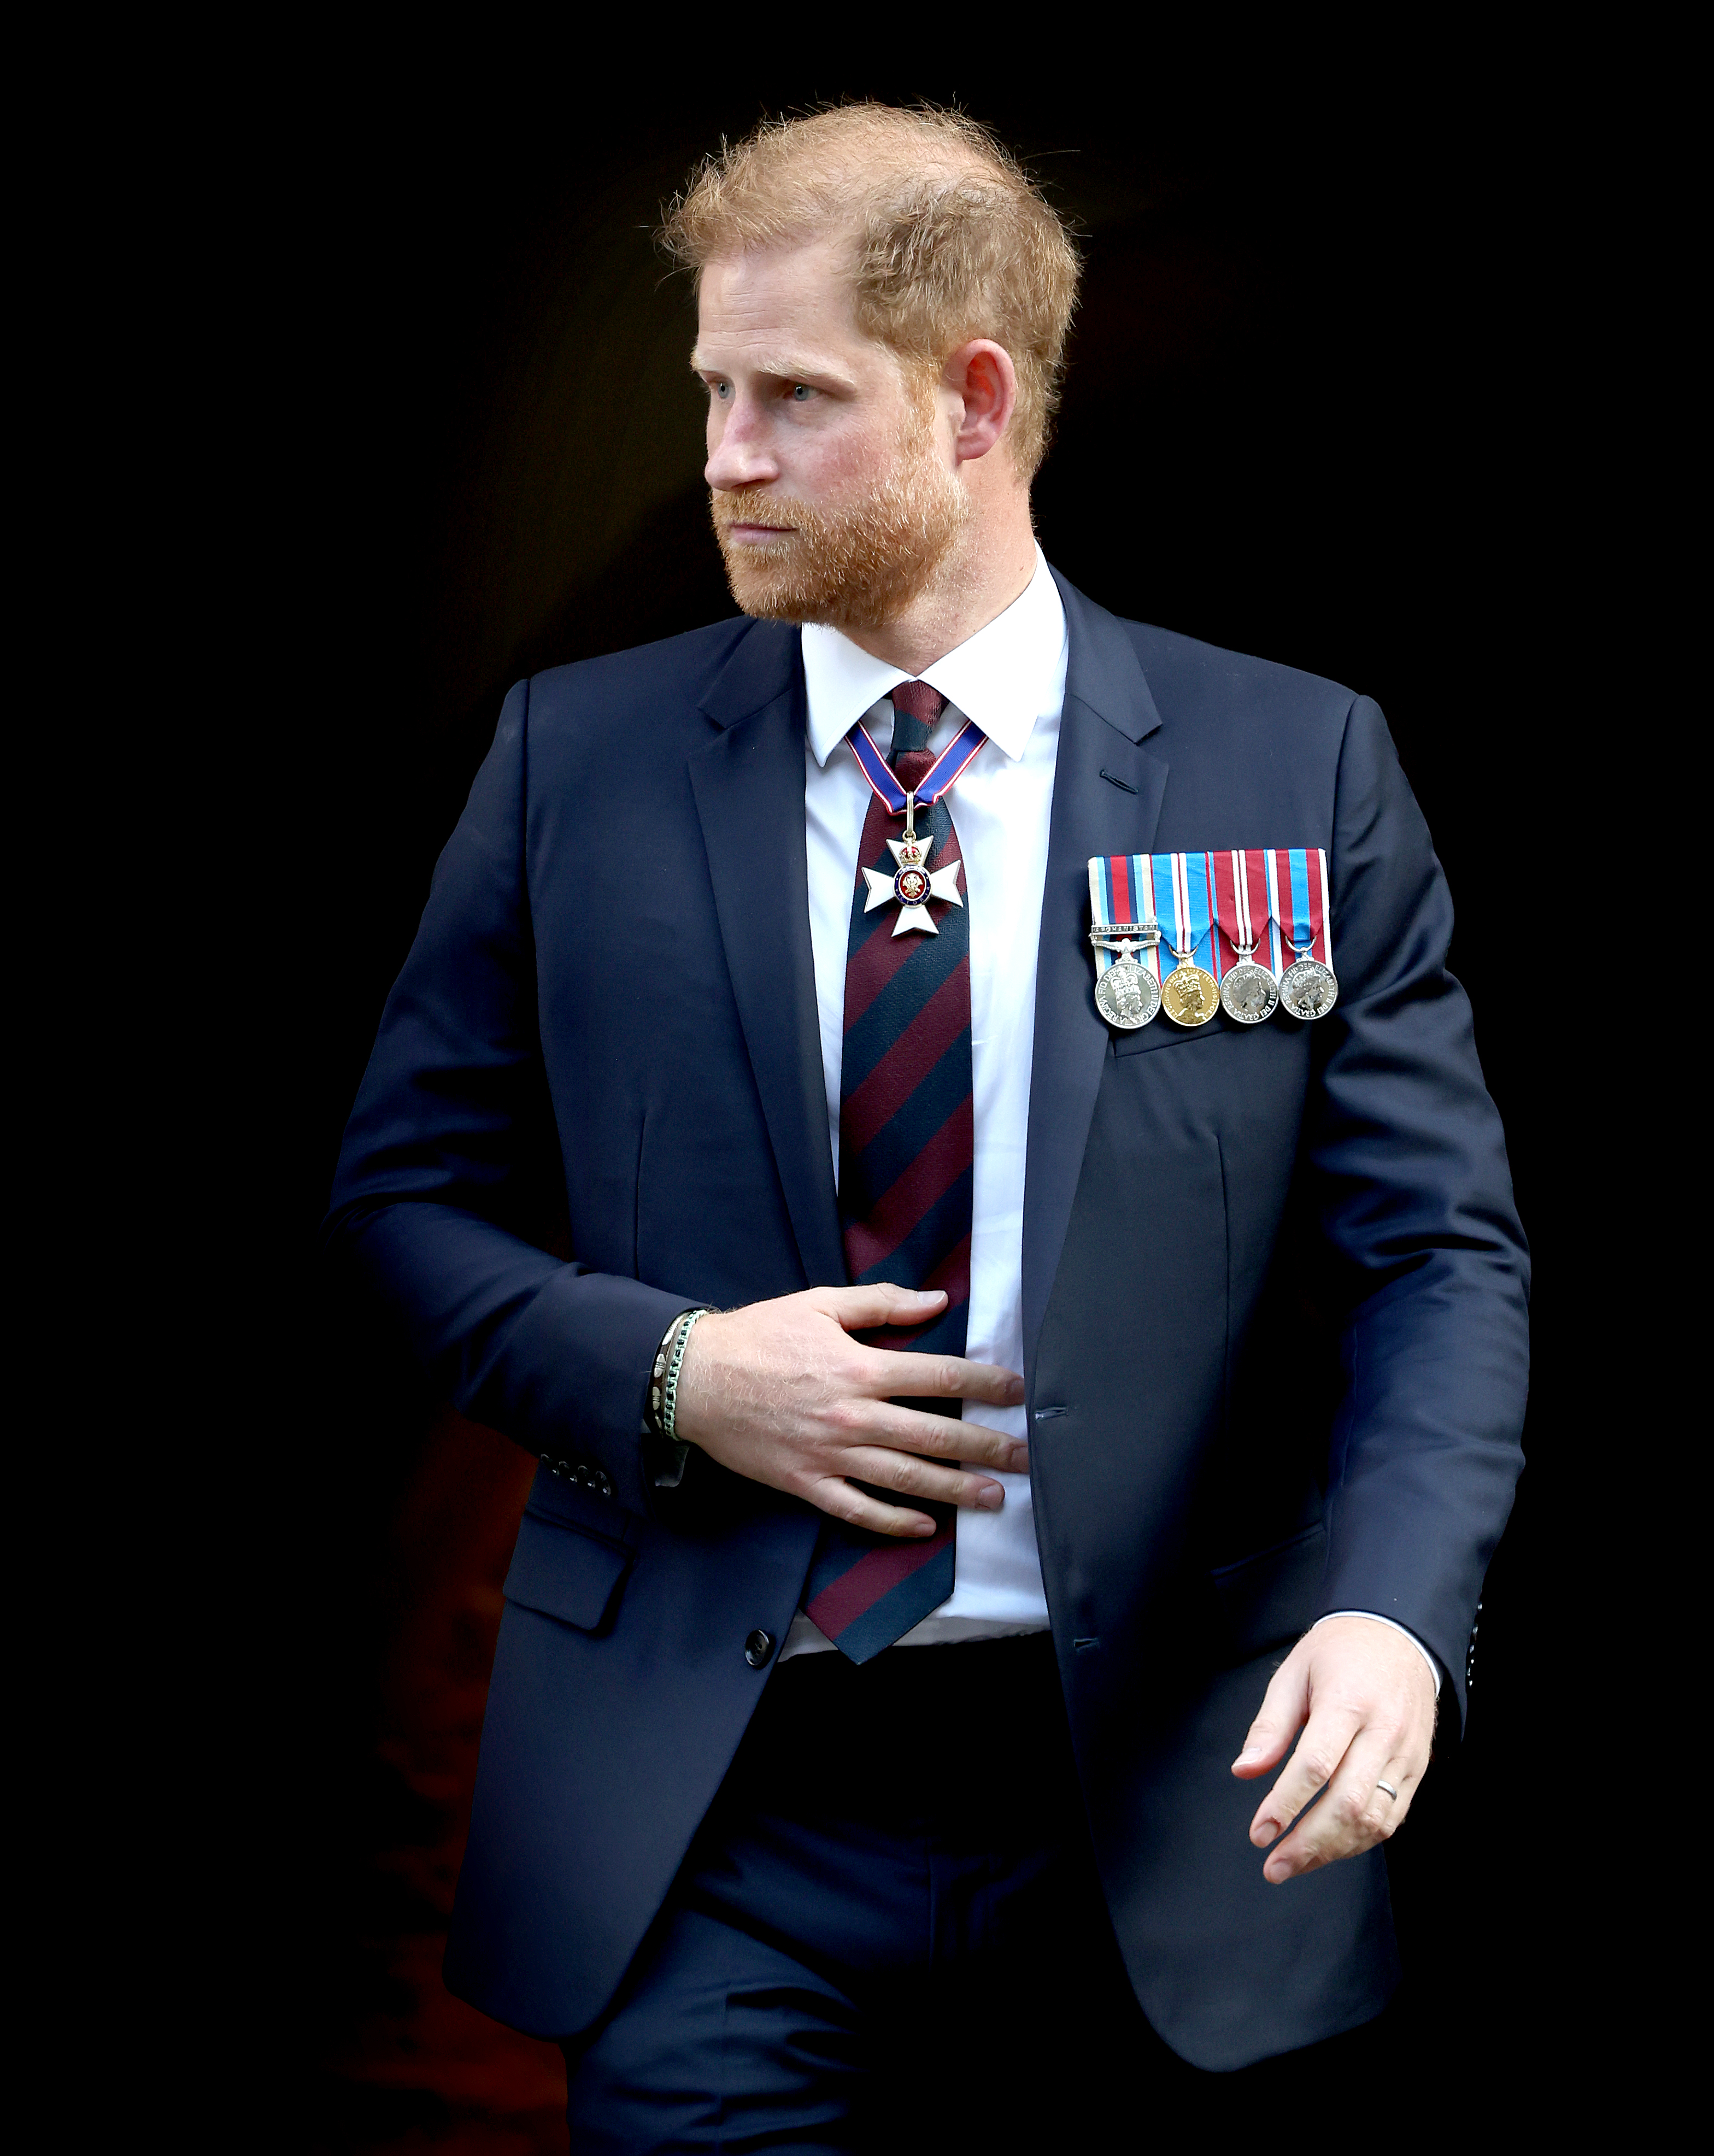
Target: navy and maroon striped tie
(906, 1149)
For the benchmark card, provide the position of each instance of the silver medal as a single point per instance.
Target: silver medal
(1127, 994)
(1308, 989)
(1248, 993)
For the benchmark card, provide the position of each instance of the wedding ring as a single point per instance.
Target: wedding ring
(1389, 1788)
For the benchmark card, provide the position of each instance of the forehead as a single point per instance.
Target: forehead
(780, 303)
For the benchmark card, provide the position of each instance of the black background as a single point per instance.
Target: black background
(1322, 405)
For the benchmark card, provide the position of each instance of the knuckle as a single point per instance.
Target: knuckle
(1354, 1809)
(1317, 1768)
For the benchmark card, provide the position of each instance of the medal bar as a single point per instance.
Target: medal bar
(1265, 915)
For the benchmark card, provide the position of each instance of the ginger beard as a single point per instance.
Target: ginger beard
(856, 565)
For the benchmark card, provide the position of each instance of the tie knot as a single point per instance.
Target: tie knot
(916, 711)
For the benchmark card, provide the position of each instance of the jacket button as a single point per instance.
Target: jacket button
(758, 1650)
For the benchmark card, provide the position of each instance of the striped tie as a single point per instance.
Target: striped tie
(907, 1147)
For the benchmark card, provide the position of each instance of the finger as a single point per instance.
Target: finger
(1355, 1812)
(910, 1477)
(846, 1502)
(909, 1430)
(881, 1303)
(1285, 1706)
(899, 1371)
(1321, 1750)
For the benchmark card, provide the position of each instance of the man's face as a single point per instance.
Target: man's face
(833, 499)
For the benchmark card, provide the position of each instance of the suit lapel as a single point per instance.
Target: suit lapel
(1109, 711)
(748, 784)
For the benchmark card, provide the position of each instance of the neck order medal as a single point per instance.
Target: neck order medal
(913, 883)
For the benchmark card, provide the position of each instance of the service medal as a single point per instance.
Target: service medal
(1249, 990)
(1190, 995)
(1121, 900)
(1309, 989)
(1127, 995)
(1299, 898)
(1248, 993)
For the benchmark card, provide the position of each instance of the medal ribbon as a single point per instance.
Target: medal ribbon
(1122, 895)
(1299, 900)
(941, 776)
(1243, 910)
(1188, 874)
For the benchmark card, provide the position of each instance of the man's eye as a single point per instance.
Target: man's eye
(722, 389)
(801, 393)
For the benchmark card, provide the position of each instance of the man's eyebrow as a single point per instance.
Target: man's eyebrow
(783, 367)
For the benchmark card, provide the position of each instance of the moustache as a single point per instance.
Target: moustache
(751, 506)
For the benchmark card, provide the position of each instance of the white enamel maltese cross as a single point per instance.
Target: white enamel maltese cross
(913, 885)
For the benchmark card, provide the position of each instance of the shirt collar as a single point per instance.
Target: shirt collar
(1005, 677)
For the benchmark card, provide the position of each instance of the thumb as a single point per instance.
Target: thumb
(1285, 1708)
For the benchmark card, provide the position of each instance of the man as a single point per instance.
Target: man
(862, 1724)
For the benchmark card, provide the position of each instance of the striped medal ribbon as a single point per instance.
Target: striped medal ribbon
(1190, 995)
(1249, 991)
(1122, 908)
(1299, 901)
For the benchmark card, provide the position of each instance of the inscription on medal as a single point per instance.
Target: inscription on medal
(1126, 995)
(1308, 989)
(1249, 992)
(1190, 996)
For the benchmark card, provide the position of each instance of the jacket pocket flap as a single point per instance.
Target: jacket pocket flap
(1270, 1597)
(566, 1574)
(1161, 1032)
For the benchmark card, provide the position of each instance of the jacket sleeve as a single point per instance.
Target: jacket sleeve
(438, 1182)
(1413, 1193)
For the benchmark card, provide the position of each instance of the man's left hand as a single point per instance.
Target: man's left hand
(1364, 1700)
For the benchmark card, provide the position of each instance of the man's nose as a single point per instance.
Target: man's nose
(739, 454)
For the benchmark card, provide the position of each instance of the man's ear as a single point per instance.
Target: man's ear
(981, 376)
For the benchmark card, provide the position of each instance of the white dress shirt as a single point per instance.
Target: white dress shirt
(1010, 678)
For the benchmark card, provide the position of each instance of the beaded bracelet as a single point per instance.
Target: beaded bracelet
(664, 1380)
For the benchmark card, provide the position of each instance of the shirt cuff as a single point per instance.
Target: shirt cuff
(1375, 1618)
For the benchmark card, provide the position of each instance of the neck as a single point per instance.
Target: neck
(990, 568)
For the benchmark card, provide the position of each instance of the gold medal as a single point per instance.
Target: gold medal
(1190, 995)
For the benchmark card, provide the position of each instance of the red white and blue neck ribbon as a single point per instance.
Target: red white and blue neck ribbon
(941, 776)
(1244, 912)
(1299, 901)
(1121, 896)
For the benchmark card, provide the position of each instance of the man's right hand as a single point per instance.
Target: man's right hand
(780, 1391)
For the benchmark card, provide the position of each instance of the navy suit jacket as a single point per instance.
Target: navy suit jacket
(1274, 1288)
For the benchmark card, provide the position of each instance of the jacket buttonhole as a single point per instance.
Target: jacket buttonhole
(1080, 1646)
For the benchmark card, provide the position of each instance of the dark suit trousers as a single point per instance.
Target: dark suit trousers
(888, 1933)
